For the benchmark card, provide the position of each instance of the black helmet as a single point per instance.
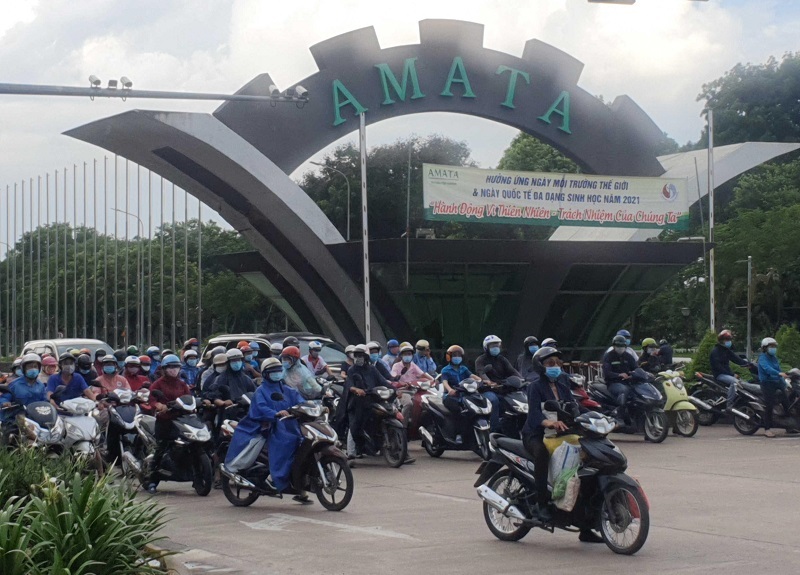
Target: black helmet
(120, 354)
(84, 361)
(663, 342)
(619, 340)
(545, 352)
(166, 352)
(65, 356)
(99, 353)
(530, 340)
(291, 340)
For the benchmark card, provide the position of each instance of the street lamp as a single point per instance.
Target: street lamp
(347, 181)
(686, 312)
(140, 266)
(749, 262)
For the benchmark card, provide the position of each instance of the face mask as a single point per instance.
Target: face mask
(132, 370)
(68, 369)
(773, 351)
(276, 375)
(236, 365)
(145, 369)
(651, 350)
(85, 371)
(156, 357)
(191, 362)
(406, 359)
(173, 371)
(194, 348)
(619, 349)
(314, 353)
(248, 356)
(286, 364)
(494, 351)
(359, 361)
(18, 372)
(456, 360)
(32, 373)
(109, 369)
(533, 349)
(627, 341)
(121, 364)
(727, 343)
(553, 372)
(374, 356)
(219, 368)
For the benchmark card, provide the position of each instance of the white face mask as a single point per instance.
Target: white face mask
(69, 369)
(220, 368)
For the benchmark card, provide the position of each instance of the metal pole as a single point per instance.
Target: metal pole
(115, 289)
(140, 279)
(150, 257)
(749, 307)
(408, 213)
(9, 286)
(126, 339)
(200, 272)
(711, 275)
(14, 298)
(66, 259)
(85, 257)
(22, 251)
(172, 333)
(362, 132)
(47, 253)
(95, 271)
(185, 265)
(161, 271)
(58, 255)
(39, 257)
(30, 267)
(105, 249)
(75, 250)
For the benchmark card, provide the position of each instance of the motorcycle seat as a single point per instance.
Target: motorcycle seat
(149, 424)
(600, 388)
(436, 402)
(751, 387)
(515, 446)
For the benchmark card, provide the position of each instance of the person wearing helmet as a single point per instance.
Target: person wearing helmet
(297, 374)
(493, 369)
(247, 367)
(98, 355)
(315, 362)
(229, 386)
(109, 380)
(133, 373)
(549, 383)
(404, 376)
(665, 352)
(192, 344)
(361, 378)
(524, 363)
(618, 365)
(74, 384)
(165, 389)
(132, 350)
(212, 368)
(423, 357)
(120, 356)
(189, 369)
(23, 390)
(720, 358)
(771, 378)
(275, 349)
(16, 368)
(376, 358)
(155, 360)
(84, 366)
(291, 340)
(549, 342)
(264, 424)
(251, 358)
(49, 367)
(650, 360)
(348, 352)
(627, 336)
(452, 375)
(393, 352)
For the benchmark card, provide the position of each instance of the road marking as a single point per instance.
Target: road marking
(277, 522)
(447, 497)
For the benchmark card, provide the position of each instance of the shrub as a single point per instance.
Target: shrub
(25, 468)
(700, 361)
(788, 339)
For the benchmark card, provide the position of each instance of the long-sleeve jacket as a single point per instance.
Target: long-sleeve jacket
(501, 367)
(230, 385)
(721, 358)
(769, 368)
(615, 364)
(526, 365)
(538, 392)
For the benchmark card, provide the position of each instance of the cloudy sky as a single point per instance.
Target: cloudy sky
(659, 52)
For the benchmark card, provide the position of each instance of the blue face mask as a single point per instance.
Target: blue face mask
(286, 365)
(248, 356)
(627, 341)
(553, 372)
(236, 365)
(727, 343)
(407, 359)
(773, 351)
(533, 349)
(85, 371)
(374, 357)
(32, 373)
(18, 372)
(156, 357)
(109, 369)
(494, 351)
(456, 360)
(121, 364)
(275, 375)
(191, 362)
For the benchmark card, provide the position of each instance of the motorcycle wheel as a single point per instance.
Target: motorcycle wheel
(624, 520)
(503, 527)
(686, 423)
(336, 472)
(233, 493)
(433, 450)
(744, 426)
(705, 418)
(203, 476)
(655, 426)
(395, 446)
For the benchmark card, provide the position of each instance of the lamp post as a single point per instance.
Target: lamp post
(749, 262)
(686, 312)
(140, 267)
(347, 181)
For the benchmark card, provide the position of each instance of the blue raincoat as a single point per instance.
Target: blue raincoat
(283, 437)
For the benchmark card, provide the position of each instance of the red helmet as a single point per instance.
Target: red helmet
(49, 360)
(145, 359)
(724, 334)
(291, 351)
(242, 344)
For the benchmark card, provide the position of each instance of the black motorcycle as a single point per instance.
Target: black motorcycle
(440, 428)
(644, 407)
(750, 406)
(607, 498)
(318, 466)
(123, 408)
(513, 406)
(383, 430)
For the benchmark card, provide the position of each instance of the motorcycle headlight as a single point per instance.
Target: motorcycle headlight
(385, 394)
(520, 406)
(57, 432)
(678, 383)
(195, 433)
(73, 431)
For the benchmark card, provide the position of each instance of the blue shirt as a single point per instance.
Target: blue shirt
(426, 364)
(454, 375)
(189, 374)
(75, 388)
(21, 392)
(769, 368)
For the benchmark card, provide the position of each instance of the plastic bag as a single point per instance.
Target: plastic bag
(566, 456)
(570, 484)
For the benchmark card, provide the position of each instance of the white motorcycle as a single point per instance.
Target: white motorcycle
(82, 436)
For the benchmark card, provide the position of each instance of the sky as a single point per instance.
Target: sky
(658, 52)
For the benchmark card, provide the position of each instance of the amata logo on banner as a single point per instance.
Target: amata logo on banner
(453, 193)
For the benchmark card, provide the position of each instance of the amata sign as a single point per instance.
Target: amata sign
(459, 194)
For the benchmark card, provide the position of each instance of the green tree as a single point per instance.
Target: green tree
(788, 339)
(528, 154)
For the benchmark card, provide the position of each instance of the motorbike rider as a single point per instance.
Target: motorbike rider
(500, 370)
(250, 364)
(98, 356)
(393, 351)
(348, 363)
(291, 340)
(275, 349)
(525, 360)
(230, 385)
(361, 378)
(155, 360)
(618, 365)
(665, 352)
(271, 403)
(120, 355)
(165, 389)
(16, 368)
(74, 384)
(190, 344)
(109, 380)
(423, 357)
(452, 375)
(25, 389)
(771, 379)
(315, 362)
(49, 367)
(254, 361)
(720, 358)
(627, 336)
(298, 375)
(84, 366)
(217, 363)
(549, 383)
(650, 361)
(133, 375)
(404, 374)
(189, 368)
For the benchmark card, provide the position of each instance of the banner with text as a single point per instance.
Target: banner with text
(452, 193)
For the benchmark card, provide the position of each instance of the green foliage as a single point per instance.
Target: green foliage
(23, 469)
(788, 339)
(527, 154)
(700, 361)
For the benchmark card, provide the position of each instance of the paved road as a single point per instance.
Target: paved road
(720, 502)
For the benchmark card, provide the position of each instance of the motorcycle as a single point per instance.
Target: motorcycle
(187, 458)
(680, 409)
(124, 406)
(513, 406)
(36, 424)
(383, 427)
(318, 466)
(644, 407)
(751, 407)
(231, 417)
(714, 396)
(608, 499)
(578, 388)
(419, 390)
(82, 432)
(439, 428)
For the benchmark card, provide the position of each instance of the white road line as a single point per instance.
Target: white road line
(277, 522)
(447, 497)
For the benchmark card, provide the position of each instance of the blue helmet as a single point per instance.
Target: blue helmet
(624, 333)
(171, 360)
(393, 343)
(254, 346)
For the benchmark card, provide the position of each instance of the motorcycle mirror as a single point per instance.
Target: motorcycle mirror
(552, 405)
(514, 381)
(158, 394)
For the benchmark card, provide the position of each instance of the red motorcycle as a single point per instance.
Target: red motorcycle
(579, 394)
(419, 390)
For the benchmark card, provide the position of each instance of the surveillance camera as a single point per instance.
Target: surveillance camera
(300, 91)
(126, 82)
(112, 84)
(273, 91)
(94, 81)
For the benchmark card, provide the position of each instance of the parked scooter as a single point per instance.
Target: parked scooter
(751, 407)
(607, 498)
(644, 407)
(681, 411)
(440, 427)
(318, 466)
(383, 428)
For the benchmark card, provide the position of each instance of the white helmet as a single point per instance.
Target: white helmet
(31, 358)
(234, 353)
(490, 339)
(373, 345)
(350, 348)
(549, 342)
(132, 360)
(361, 348)
(315, 345)
(768, 341)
